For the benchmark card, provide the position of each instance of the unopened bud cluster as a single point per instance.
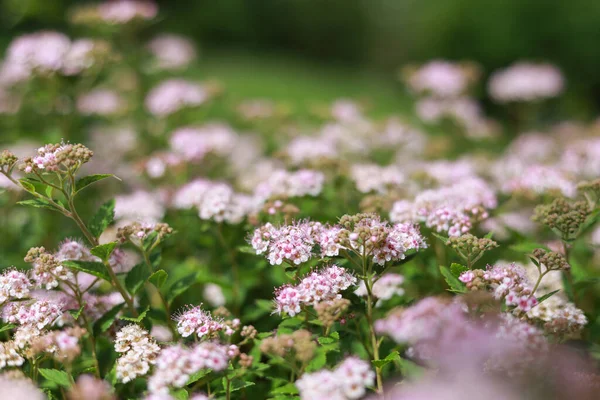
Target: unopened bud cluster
(298, 344)
(137, 231)
(562, 216)
(52, 157)
(551, 260)
(7, 160)
(330, 311)
(470, 247)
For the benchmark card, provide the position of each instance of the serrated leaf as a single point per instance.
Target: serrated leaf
(103, 218)
(88, 180)
(457, 269)
(452, 281)
(136, 278)
(442, 238)
(394, 356)
(76, 313)
(106, 321)
(104, 251)
(158, 278)
(59, 377)
(91, 267)
(547, 295)
(28, 186)
(37, 203)
(239, 384)
(317, 362)
(181, 286)
(289, 388)
(137, 319)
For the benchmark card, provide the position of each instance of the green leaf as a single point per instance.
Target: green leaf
(181, 286)
(136, 278)
(91, 267)
(394, 356)
(246, 250)
(457, 269)
(28, 186)
(289, 388)
(107, 319)
(547, 295)
(158, 278)
(409, 369)
(104, 251)
(59, 377)
(442, 238)
(239, 384)
(7, 327)
(76, 313)
(452, 281)
(37, 203)
(198, 375)
(489, 235)
(88, 180)
(291, 322)
(317, 362)
(103, 218)
(180, 394)
(137, 319)
(527, 247)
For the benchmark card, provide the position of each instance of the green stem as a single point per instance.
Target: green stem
(369, 314)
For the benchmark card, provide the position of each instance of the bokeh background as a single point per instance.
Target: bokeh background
(356, 46)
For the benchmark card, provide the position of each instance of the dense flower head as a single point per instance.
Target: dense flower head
(299, 344)
(385, 287)
(172, 51)
(373, 178)
(282, 183)
(124, 11)
(194, 143)
(322, 285)
(539, 179)
(526, 82)
(19, 388)
(103, 102)
(173, 95)
(47, 270)
(452, 209)
(198, 321)
(140, 350)
(348, 380)
(290, 243)
(52, 157)
(37, 314)
(563, 216)
(14, 285)
(175, 364)
(440, 78)
(90, 388)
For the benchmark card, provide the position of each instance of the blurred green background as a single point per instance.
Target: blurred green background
(371, 35)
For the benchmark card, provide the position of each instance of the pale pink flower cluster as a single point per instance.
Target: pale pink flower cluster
(198, 321)
(348, 381)
(452, 209)
(172, 51)
(399, 239)
(290, 243)
(19, 388)
(13, 285)
(47, 158)
(323, 285)
(385, 287)
(508, 282)
(9, 355)
(49, 276)
(33, 318)
(582, 158)
(282, 183)
(375, 178)
(194, 143)
(173, 95)
(526, 82)
(540, 179)
(124, 11)
(257, 109)
(103, 102)
(45, 53)
(558, 315)
(139, 206)
(215, 200)
(308, 148)
(213, 294)
(176, 364)
(439, 78)
(345, 110)
(139, 349)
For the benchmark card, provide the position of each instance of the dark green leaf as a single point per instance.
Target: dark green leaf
(104, 251)
(137, 319)
(547, 295)
(88, 180)
(289, 388)
(7, 327)
(137, 277)
(103, 218)
(452, 281)
(59, 377)
(198, 375)
(91, 267)
(181, 286)
(158, 278)
(107, 319)
(239, 384)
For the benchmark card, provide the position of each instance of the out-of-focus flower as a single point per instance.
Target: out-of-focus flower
(139, 206)
(172, 51)
(104, 102)
(440, 78)
(173, 95)
(526, 82)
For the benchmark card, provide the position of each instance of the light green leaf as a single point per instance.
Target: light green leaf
(104, 251)
(59, 377)
(452, 281)
(137, 319)
(88, 180)
(394, 356)
(37, 203)
(91, 267)
(103, 218)
(289, 388)
(158, 278)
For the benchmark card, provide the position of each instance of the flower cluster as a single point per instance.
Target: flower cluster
(384, 288)
(322, 285)
(373, 178)
(47, 270)
(299, 345)
(526, 82)
(173, 95)
(172, 51)
(564, 217)
(348, 380)
(196, 320)
(452, 209)
(52, 157)
(284, 184)
(139, 349)
(13, 285)
(117, 12)
(175, 364)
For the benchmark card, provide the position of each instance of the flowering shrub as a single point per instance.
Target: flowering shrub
(162, 251)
